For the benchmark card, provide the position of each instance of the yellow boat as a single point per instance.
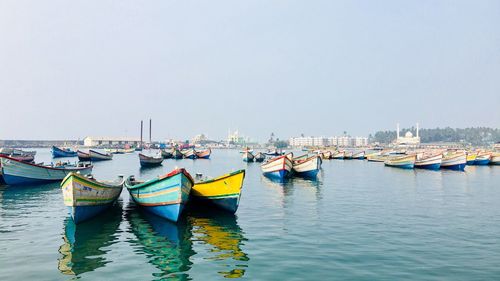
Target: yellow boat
(471, 157)
(223, 191)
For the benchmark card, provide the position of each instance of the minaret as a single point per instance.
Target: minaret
(417, 130)
(397, 131)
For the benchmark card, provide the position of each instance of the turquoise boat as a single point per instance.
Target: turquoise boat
(164, 196)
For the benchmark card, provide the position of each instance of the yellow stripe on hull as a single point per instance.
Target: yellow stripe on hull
(226, 185)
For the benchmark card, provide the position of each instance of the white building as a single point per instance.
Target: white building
(308, 141)
(105, 141)
(408, 139)
(360, 141)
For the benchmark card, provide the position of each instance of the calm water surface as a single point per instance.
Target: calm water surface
(359, 221)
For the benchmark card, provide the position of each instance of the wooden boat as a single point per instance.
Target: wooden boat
(471, 157)
(307, 168)
(403, 162)
(248, 156)
(376, 158)
(273, 152)
(204, 154)
(260, 157)
(189, 153)
(16, 172)
(150, 161)
(327, 154)
(164, 196)
(166, 154)
(348, 155)
(224, 191)
(278, 168)
(83, 156)
(495, 158)
(6, 151)
(454, 161)
(429, 162)
(177, 154)
(483, 158)
(338, 155)
(62, 152)
(126, 150)
(360, 155)
(99, 156)
(112, 151)
(86, 197)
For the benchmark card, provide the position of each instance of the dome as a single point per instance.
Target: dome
(408, 135)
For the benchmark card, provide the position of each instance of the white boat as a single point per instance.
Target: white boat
(189, 153)
(429, 162)
(99, 156)
(308, 167)
(495, 158)
(454, 161)
(278, 168)
(16, 172)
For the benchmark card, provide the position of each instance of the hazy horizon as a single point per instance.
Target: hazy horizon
(74, 69)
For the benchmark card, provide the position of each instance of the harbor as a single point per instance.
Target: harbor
(402, 209)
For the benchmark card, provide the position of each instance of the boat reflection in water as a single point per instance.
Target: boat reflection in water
(222, 238)
(167, 245)
(170, 246)
(84, 244)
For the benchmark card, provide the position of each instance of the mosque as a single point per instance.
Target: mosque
(408, 138)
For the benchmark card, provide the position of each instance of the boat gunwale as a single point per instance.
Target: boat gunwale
(48, 167)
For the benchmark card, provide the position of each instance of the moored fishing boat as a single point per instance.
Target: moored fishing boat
(6, 151)
(83, 156)
(278, 168)
(204, 154)
(189, 153)
(224, 191)
(348, 155)
(166, 154)
(86, 197)
(429, 162)
(495, 158)
(176, 154)
(164, 196)
(471, 157)
(16, 172)
(260, 157)
(308, 167)
(360, 155)
(338, 155)
(62, 152)
(326, 154)
(273, 152)
(376, 157)
(150, 160)
(248, 156)
(402, 162)
(454, 161)
(482, 158)
(99, 156)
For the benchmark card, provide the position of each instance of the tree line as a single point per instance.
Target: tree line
(473, 136)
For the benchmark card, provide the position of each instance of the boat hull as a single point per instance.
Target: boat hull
(83, 156)
(454, 162)
(86, 198)
(205, 154)
(57, 153)
(223, 192)
(164, 196)
(97, 156)
(435, 166)
(308, 168)
(19, 173)
(403, 162)
(482, 160)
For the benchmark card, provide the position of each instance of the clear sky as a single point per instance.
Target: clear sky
(69, 69)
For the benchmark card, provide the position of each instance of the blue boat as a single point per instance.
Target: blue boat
(482, 159)
(164, 196)
(454, 161)
(17, 172)
(307, 168)
(86, 197)
(402, 162)
(63, 152)
(429, 162)
(278, 168)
